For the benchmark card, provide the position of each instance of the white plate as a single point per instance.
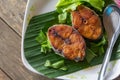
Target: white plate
(35, 7)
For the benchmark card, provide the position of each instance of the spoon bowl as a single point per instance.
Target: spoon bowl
(111, 21)
(111, 17)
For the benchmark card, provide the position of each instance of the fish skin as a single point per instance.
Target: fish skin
(67, 42)
(87, 22)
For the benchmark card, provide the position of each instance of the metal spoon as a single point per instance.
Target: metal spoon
(111, 21)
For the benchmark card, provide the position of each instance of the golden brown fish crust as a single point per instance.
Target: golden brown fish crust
(87, 22)
(66, 41)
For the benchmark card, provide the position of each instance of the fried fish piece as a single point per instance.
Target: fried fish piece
(67, 42)
(87, 22)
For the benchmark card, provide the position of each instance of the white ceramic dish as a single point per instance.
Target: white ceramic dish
(35, 7)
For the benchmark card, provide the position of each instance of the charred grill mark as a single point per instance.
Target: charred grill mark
(67, 42)
(55, 33)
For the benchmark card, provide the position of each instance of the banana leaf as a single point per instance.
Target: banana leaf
(37, 59)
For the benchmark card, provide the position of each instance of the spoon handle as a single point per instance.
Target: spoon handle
(107, 58)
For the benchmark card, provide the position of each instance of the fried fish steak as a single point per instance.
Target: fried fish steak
(67, 42)
(87, 22)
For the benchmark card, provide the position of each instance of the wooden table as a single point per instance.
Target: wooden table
(11, 19)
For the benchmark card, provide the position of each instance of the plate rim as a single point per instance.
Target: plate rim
(24, 60)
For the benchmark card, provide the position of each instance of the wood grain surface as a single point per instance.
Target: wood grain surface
(11, 19)
(10, 58)
(3, 76)
(12, 12)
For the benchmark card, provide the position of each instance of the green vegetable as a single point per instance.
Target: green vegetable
(44, 42)
(101, 50)
(101, 42)
(99, 47)
(90, 55)
(98, 4)
(41, 37)
(95, 48)
(62, 17)
(37, 59)
(70, 5)
(47, 63)
(58, 64)
(65, 6)
(64, 68)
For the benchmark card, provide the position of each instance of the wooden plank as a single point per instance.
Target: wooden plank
(3, 76)
(12, 12)
(10, 58)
